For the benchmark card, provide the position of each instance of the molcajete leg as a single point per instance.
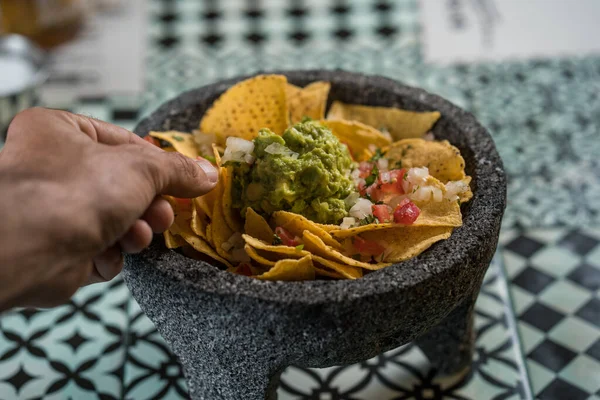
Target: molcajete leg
(449, 345)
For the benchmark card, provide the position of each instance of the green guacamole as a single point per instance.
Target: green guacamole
(308, 175)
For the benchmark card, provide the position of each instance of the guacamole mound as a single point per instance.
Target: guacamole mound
(305, 171)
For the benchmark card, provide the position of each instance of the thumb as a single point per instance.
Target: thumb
(180, 176)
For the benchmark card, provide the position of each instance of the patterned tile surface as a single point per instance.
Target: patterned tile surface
(555, 282)
(545, 119)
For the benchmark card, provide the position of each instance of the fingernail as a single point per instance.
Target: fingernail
(209, 170)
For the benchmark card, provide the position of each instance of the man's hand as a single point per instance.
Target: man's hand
(75, 194)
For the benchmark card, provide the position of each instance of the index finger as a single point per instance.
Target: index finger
(105, 133)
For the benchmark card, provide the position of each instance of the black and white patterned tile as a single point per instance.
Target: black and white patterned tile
(555, 288)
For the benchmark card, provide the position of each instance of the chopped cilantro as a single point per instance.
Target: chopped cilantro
(211, 159)
(178, 138)
(415, 189)
(378, 155)
(299, 247)
(405, 177)
(373, 177)
(369, 219)
(276, 240)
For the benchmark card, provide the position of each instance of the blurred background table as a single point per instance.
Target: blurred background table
(538, 316)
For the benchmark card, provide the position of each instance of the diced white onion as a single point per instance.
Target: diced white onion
(249, 158)
(351, 199)
(362, 209)
(454, 188)
(437, 194)
(417, 175)
(383, 164)
(276, 148)
(385, 177)
(422, 194)
(237, 149)
(348, 222)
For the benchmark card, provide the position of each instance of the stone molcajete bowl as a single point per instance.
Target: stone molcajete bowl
(234, 335)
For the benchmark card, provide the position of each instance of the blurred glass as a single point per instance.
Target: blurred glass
(46, 22)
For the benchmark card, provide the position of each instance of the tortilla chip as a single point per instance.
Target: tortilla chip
(401, 124)
(173, 241)
(296, 224)
(309, 101)
(232, 217)
(248, 106)
(199, 244)
(316, 246)
(199, 221)
(221, 232)
(257, 227)
(407, 241)
(443, 160)
(183, 143)
(279, 249)
(290, 270)
(251, 251)
(209, 236)
(356, 136)
(216, 154)
(342, 269)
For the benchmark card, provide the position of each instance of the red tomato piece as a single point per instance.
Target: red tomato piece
(395, 184)
(367, 247)
(382, 212)
(406, 212)
(287, 239)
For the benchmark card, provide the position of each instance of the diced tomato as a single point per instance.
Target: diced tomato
(406, 212)
(244, 269)
(287, 238)
(152, 140)
(367, 247)
(395, 184)
(365, 169)
(382, 212)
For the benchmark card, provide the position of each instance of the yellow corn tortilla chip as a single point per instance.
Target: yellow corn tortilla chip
(199, 244)
(232, 216)
(199, 221)
(356, 136)
(407, 241)
(209, 237)
(251, 251)
(216, 154)
(221, 232)
(256, 226)
(183, 143)
(314, 245)
(205, 203)
(278, 249)
(296, 224)
(345, 271)
(290, 270)
(173, 241)
(250, 105)
(309, 101)
(443, 160)
(401, 124)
